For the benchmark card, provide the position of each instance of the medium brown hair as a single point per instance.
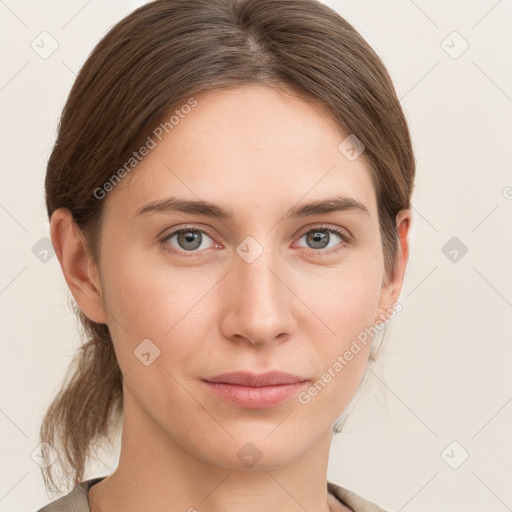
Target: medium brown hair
(149, 63)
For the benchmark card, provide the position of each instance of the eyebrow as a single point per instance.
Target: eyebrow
(175, 204)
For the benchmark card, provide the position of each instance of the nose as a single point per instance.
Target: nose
(258, 302)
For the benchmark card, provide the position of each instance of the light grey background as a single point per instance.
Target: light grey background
(444, 375)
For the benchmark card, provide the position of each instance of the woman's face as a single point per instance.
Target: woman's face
(267, 286)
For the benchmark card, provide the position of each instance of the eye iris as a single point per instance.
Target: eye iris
(318, 237)
(189, 237)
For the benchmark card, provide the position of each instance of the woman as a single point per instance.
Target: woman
(229, 196)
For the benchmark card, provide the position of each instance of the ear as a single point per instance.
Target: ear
(392, 288)
(77, 265)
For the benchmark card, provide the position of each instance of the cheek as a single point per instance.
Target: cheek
(346, 299)
(347, 303)
(168, 305)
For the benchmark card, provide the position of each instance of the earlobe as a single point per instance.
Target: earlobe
(77, 265)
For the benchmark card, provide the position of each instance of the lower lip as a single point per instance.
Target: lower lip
(250, 397)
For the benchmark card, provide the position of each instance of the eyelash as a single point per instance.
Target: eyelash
(345, 240)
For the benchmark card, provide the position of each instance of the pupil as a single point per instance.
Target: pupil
(190, 237)
(321, 239)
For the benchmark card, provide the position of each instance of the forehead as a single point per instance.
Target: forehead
(248, 147)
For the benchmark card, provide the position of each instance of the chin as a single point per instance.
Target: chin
(258, 450)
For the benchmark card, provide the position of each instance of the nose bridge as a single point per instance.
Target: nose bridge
(261, 302)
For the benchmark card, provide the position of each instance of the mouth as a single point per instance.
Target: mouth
(252, 391)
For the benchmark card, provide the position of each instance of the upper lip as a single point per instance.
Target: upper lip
(272, 378)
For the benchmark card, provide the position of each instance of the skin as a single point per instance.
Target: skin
(256, 151)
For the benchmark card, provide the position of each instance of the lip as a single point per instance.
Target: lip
(272, 378)
(253, 391)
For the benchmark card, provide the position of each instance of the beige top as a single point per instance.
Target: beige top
(77, 499)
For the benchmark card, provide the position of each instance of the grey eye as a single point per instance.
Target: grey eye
(321, 238)
(188, 239)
